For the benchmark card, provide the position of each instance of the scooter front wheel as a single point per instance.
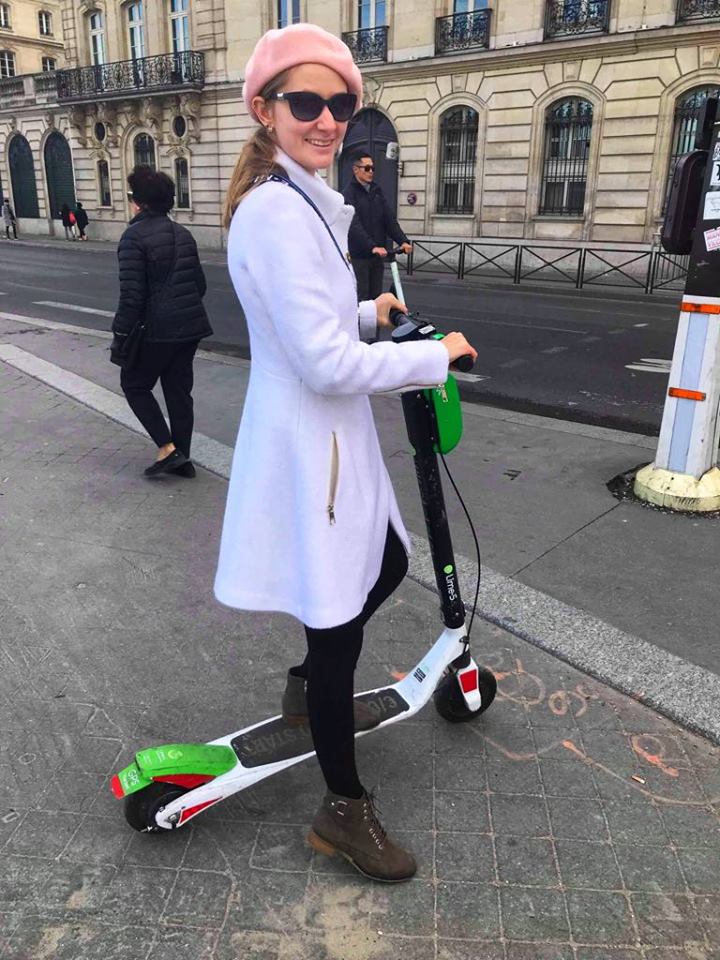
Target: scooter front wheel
(142, 806)
(450, 702)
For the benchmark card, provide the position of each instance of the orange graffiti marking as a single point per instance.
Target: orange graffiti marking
(655, 759)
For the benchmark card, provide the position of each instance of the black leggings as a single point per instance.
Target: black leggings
(329, 667)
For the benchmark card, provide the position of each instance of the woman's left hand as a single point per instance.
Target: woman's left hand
(385, 303)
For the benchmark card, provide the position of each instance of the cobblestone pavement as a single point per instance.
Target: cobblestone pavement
(568, 822)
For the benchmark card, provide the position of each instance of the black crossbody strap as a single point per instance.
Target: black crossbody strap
(277, 179)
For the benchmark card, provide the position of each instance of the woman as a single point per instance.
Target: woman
(311, 526)
(161, 285)
(81, 219)
(68, 221)
(8, 215)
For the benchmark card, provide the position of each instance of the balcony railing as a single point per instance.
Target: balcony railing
(462, 31)
(28, 88)
(146, 74)
(369, 45)
(564, 18)
(693, 10)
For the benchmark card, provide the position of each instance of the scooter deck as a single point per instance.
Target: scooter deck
(277, 740)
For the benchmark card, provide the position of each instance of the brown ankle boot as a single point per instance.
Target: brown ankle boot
(352, 829)
(295, 708)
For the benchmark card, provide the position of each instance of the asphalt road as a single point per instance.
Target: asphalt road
(598, 356)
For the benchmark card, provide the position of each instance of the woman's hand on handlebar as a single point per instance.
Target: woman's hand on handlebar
(385, 303)
(457, 346)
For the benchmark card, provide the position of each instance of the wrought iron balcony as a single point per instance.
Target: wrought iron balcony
(369, 45)
(462, 31)
(694, 10)
(567, 18)
(169, 71)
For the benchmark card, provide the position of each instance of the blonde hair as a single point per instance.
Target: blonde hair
(256, 160)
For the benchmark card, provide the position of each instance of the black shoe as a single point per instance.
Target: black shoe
(186, 470)
(167, 464)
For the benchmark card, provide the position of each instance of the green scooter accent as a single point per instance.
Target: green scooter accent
(173, 759)
(445, 402)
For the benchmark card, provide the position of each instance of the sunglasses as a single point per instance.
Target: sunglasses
(308, 106)
(368, 167)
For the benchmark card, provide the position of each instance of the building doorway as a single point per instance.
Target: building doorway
(371, 131)
(59, 174)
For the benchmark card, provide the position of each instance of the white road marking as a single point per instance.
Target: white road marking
(650, 365)
(501, 323)
(641, 324)
(551, 350)
(73, 306)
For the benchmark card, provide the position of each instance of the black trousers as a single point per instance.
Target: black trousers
(369, 274)
(329, 668)
(172, 365)
(13, 227)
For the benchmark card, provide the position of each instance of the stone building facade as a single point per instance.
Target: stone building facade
(31, 39)
(553, 120)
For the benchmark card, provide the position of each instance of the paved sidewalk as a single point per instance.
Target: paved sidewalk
(569, 822)
(627, 594)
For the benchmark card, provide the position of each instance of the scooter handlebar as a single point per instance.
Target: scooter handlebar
(426, 331)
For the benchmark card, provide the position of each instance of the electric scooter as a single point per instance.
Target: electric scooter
(166, 786)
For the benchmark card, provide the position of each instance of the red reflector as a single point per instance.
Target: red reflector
(116, 787)
(191, 811)
(188, 780)
(686, 394)
(469, 681)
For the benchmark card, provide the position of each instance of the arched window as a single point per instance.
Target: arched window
(59, 174)
(45, 23)
(687, 111)
(568, 128)
(458, 151)
(22, 177)
(144, 150)
(96, 25)
(103, 174)
(180, 25)
(5, 16)
(182, 184)
(7, 63)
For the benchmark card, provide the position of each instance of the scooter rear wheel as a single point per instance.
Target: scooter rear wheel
(141, 807)
(450, 703)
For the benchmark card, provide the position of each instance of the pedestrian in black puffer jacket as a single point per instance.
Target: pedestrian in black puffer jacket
(162, 284)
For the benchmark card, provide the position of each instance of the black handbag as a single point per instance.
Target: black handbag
(125, 350)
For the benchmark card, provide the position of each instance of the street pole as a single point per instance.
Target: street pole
(685, 474)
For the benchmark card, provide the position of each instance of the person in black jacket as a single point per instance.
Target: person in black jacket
(373, 222)
(67, 222)
(161, 283)
(81, 219)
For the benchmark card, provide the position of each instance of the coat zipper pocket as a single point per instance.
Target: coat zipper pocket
(334, 475)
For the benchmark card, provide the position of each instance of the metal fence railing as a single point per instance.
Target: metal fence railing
(642, 270)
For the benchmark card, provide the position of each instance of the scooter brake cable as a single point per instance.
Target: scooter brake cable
(474, 536)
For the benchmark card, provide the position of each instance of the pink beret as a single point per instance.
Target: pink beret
(278, 50)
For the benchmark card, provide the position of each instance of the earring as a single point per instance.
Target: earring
(270, 129)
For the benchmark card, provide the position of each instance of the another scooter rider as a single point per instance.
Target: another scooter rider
(312, 527)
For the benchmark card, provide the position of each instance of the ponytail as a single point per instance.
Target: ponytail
(256, 160)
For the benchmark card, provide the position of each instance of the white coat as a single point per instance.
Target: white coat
(310, 498)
